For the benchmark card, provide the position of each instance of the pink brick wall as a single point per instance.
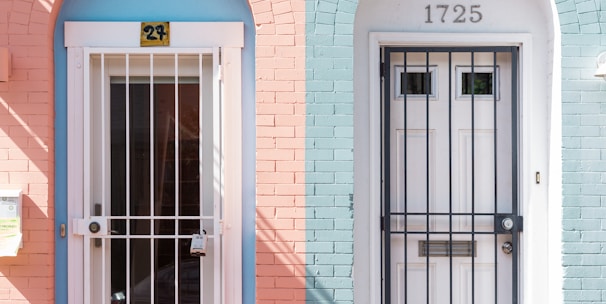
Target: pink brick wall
(280, 82)
(26, 146)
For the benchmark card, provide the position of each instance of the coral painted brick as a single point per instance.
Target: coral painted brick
(284, 91)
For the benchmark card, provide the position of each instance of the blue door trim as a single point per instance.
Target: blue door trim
(184, 10)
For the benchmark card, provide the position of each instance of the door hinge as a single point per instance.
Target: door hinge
(62, 231)
(382, 69)
(382, 223)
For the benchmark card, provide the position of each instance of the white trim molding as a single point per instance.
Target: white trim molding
(126, 34)
(539, 259)
(224, 40)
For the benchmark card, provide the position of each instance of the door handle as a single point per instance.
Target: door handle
(507, 247)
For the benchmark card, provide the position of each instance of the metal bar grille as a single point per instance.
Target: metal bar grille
(472, 166)
(151, 146)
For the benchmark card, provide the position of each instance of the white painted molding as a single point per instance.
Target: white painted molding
(231, 120)
(225, 37)
(75, 173)
(533, 261)
(127, 34)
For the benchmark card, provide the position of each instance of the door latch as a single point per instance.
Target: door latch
(91, 226)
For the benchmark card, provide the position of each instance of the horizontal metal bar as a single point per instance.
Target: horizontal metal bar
(160, 217)
(443, 213)
(445, 232)
(146, 236)
(168, 51)
(463, 49)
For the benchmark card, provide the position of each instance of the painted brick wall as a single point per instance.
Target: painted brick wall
(280, 85)
(329, 150)
(584, 165)
(26, 120)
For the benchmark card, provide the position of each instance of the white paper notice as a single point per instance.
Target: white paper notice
(10, 236)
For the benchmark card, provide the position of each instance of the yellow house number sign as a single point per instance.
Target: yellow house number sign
(155, 34)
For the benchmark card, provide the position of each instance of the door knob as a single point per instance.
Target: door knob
(507, 247)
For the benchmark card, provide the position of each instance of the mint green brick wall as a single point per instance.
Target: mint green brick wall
(583, 156)
(329, 73)
(329, 150)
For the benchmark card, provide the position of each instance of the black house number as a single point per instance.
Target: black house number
(457, 13)
(155, 33)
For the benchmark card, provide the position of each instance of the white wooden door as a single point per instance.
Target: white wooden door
(449, 175)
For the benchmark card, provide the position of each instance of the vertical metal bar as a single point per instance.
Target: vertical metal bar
(87, 270)
(473, 206)
(514, 167)
(450, 174)
(405, 181)
(217, 175)
(104, 292)
(128, 179)
(177, 178)
(87, 178)
(103, 138)
(87, 133)
(427, 80)
(386, 171)
(152, 175)
(200, 168)
(494, 134)
(103, 170)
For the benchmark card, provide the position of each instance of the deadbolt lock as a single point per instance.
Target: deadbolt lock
(94, 227)
(507, 223)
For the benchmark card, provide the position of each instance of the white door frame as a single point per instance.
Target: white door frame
(536, 261)
(229, 37)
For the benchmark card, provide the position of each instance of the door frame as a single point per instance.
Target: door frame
(533, 286)
(229, 37)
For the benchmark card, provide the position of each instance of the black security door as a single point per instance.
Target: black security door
(450, 208)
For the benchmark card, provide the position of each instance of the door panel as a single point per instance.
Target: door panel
(450, 166)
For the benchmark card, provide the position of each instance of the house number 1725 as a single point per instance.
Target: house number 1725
(457, 13)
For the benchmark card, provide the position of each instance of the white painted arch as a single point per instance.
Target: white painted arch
(532, 25)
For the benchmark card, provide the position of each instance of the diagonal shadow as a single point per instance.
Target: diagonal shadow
(282, 267)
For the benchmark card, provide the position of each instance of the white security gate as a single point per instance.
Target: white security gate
(450, 213)
(152, 177)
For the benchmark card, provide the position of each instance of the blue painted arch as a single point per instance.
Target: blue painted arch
(182, 10)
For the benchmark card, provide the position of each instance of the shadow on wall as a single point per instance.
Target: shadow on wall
(25, 163)
(29, 275)
(282, 272)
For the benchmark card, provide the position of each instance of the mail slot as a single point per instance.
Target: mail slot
(443, 248)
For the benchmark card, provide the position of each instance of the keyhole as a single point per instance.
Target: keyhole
(94, 227)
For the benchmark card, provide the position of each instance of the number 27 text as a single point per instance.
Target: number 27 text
(457, 13)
